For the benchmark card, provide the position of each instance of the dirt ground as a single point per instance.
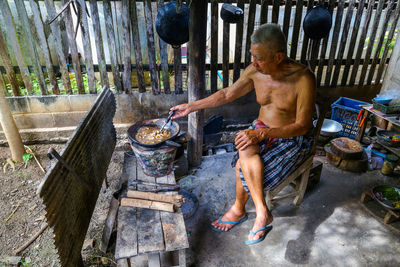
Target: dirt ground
(22, 213)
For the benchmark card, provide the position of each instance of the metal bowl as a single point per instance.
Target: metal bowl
(330, 127)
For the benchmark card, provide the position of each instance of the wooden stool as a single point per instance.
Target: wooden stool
(145, 231)
(390, 216)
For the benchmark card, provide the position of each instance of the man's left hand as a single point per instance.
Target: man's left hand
(249, 137)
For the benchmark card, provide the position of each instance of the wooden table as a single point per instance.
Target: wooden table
(145, 231)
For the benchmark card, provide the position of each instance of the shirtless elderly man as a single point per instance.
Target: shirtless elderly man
(279, 139)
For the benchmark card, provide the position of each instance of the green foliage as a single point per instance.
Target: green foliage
(24, 263)
(26, 157)
(385, 41)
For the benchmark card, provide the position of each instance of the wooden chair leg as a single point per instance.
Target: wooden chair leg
(182, 258)
(302, 187)
(268, 199)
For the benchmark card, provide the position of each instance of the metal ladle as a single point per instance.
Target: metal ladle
(168, 120)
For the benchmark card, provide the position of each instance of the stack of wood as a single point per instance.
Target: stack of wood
(154, 201)
(347, 154)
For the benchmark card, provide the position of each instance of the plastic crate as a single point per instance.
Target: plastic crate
(345, 111)
(385, 108)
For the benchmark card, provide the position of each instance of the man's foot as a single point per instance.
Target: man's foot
(262, 220)
(231, 218)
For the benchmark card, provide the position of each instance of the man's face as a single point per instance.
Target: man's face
(263, 60)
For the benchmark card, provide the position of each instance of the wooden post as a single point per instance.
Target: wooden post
(9, 128)
(196, 88)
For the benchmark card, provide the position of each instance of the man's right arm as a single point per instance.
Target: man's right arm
(241, 87)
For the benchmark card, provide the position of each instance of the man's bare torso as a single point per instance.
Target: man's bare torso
(278, 97)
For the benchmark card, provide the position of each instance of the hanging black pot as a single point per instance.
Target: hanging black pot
(317, 23)
(231, 14)
(171, 26)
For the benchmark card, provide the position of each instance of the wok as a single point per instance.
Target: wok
(329, 127)
(172, 126)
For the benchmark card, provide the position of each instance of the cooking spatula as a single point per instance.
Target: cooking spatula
(168, 119)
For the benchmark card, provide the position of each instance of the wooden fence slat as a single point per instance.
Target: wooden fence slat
(178, 70)
(343, 41)
(44, 47)
(5, 57)
(32, 52)
(250, 29)
(353, 39)
(360, 48)
(375, 25)
(164, 59)
(387, 45)
(263, 11)
(112, 45)
(94, 13)
(225, 54)
(51, 11)
(286, 17)
(150, 46)
(74, 50)
(296, 29)
(334, 41)
(126, 38)
(305, 38)
(238, 45)
(3, 88)
(87, 48)
(378, 48)
(137, 48)
(12, 35)
(214, 46)
(275, 11)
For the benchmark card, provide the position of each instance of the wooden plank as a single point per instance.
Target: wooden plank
(32, 52)
(197, 87)
(305, 45)
(353, 39)
(37, 19)
(250, 29)
(296, 29)
(164, 60)
(214, 46)
(360, 48)
(137, 48)
(275, 11)
(368, 53)
(112, 45)
(174, 230)
(387, 46)
(178, 70)
(73, 48)
(225, 54)
(12, 35)
(55, 30)
(263, 11)
(238, 45)
(150, 235)
(150, 46)
(87, 48)
(343, 41)
(324, 48)
(154, 259)
(99, 43)
(286, 17)
(126, 44)
(378, 48)
(334, 41)
(109, 224)
(5, 58)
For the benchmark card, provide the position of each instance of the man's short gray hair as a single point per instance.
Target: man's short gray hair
(270, 36)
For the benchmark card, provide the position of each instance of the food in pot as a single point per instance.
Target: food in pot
(150, 135)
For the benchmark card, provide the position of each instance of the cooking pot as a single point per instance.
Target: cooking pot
(171, 26)
(172, 126)
(317, 23)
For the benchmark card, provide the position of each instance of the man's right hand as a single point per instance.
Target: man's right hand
(182, 110)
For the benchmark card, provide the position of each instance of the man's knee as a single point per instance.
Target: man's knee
(249, 152)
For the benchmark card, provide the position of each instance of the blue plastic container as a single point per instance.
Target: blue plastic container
(345, 111)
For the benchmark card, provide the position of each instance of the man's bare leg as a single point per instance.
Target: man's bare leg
(253, 172)
(237, 211)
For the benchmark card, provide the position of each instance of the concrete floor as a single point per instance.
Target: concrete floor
(329, 228)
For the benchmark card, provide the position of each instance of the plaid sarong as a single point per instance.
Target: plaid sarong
(280, 156)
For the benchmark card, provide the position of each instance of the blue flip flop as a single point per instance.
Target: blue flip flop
(265, 228)
(227, 222)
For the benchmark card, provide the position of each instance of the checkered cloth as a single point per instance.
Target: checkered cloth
(280, 156)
